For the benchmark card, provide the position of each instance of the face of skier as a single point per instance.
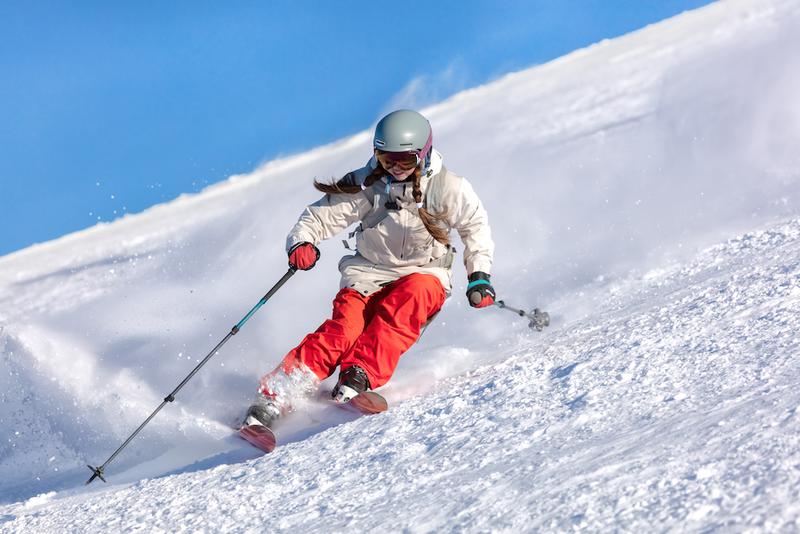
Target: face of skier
(401, 165)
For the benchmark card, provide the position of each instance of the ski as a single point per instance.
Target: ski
(367, 403)
(263, 438)
(259, 436)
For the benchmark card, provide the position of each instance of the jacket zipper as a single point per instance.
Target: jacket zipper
(405, 231)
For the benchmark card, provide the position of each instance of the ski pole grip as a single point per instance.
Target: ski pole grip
(475, 298)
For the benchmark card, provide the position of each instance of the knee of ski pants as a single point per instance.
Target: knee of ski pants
(321, 350)
(349, 308)
(401, 310)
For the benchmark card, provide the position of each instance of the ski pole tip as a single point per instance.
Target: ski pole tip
(97, 472)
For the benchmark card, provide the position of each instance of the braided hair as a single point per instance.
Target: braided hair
(432, 221)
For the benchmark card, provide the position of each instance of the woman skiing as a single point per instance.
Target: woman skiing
(406, 202)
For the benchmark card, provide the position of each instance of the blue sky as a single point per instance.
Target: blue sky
(107, 108)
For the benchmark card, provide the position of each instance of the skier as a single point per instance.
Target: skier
(406, 202)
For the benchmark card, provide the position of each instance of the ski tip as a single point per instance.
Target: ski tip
(259, 436)
(369, 402)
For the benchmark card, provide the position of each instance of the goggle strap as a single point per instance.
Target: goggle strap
(424, 152)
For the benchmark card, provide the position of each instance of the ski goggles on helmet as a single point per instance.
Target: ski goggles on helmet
(404, 160)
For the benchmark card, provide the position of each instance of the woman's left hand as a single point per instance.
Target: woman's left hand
(480, 292)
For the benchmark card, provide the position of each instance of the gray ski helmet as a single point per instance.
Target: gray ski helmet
(404, 130)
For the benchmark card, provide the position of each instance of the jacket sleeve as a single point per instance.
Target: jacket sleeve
(472, 224)
(327, 217)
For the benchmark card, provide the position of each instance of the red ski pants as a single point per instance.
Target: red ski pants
(369, 331)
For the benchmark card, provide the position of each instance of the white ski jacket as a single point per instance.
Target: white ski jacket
(392, 243)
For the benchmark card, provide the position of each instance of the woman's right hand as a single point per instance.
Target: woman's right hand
(303, 256)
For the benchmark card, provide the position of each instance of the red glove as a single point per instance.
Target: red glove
(480, 292)
(303, 256)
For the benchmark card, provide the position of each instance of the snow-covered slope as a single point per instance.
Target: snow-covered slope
(675, 406)
(662, 395)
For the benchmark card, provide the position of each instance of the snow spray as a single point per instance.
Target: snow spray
(97, 472)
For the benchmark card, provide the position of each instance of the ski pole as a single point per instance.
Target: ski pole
(538, 318)
(97, 472)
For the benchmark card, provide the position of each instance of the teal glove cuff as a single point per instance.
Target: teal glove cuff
(477, 283)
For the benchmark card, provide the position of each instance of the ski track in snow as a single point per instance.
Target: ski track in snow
(663, 397)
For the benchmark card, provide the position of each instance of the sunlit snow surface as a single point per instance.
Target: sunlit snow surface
(663, 396)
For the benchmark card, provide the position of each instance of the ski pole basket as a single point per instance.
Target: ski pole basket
(538, 318)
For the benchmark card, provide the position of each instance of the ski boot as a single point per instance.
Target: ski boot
(352, 381)
(263, 412)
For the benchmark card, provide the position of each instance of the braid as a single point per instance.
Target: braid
(417, 192)
(430, 220)
(347, 185)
